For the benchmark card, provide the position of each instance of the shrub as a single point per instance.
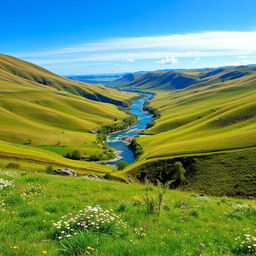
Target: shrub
(123, 207)
(121, 165)
(136, 148)
(108, 176)
(90, 218)
(75, 155)
(49, 169)
(13, 166)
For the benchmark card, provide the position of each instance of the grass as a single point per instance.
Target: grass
(38, 200)
(44, 116)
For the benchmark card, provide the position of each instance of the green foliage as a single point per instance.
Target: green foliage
(126, 122)
(154, 204)
(12, 166)
(49, 169)
(121, 165)
(136, 148)
(153, 111)
(75, 155)
(179, 173)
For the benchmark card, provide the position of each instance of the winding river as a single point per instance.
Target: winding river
(118, 140)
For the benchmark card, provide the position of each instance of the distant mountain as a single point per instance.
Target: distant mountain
(180, 79)
(98, 79)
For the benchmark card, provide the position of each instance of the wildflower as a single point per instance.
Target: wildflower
(44, 252)
(182, 207)
(14, 247)
(89, 248)
(202, 244)
(90, 218)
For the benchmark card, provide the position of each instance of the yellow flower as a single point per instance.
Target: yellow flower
(89, 248)
(15, 247)
(44, 252)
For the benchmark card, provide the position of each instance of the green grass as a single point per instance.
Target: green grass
(38, 200)
(44, 116)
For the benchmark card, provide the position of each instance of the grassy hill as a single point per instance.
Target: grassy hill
(215, 116)
(44, 116)
(25, 73)
(35, 201)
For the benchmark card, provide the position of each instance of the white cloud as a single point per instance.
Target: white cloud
(130, 60)
(194, 61)
(168, 61)
(194, 45)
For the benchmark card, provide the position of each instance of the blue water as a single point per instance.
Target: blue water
(114, 140)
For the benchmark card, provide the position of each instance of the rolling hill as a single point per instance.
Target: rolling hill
(44, 116)
(214, 117)
(180, 79)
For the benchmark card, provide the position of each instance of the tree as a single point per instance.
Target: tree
(179, 172)
(76, 155)
(121, 165)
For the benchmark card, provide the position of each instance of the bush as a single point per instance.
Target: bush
(75, 155)
(108, 176)
(121, 165)
(136, 148)
(13, 166)
(49, 169)
(123, 207)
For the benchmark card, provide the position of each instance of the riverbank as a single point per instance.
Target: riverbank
(119, 140)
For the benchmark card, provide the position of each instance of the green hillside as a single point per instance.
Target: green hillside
(25, 73)
(44, 116)
(32, 203)
(211, 117)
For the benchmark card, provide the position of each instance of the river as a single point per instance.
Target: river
(115, 140)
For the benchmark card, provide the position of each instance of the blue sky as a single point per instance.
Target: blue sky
(89, 37)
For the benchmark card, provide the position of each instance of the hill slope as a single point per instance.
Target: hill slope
(38, 200)
(48, 115)
(212, 117)
(25, 73)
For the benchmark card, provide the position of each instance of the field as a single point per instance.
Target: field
(189, 224)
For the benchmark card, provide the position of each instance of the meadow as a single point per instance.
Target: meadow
(32, 204)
